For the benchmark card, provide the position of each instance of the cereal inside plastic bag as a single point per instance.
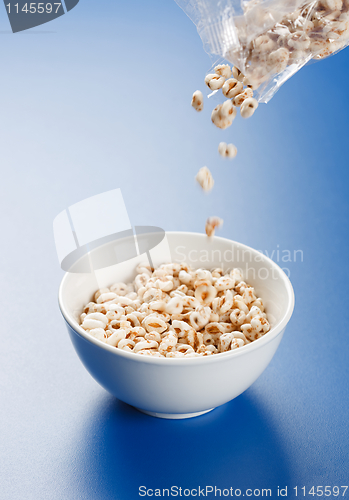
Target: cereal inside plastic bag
(269, 40)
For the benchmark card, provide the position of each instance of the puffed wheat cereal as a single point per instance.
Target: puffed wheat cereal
(205, 179)
(231, 88)
(198, 101)
(203, 313)
(227, 150)
(214, 82)
(248, 107)
(211, 224)
(223, 70)
(239, 99)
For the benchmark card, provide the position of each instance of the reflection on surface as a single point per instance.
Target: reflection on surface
(121, 449)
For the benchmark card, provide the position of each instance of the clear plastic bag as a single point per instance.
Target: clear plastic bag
(269, 40)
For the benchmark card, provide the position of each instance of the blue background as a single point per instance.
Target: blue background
(100, 99)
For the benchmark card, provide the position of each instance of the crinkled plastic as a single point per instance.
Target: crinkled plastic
(269, 40)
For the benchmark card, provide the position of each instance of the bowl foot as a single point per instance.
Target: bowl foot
(174, 415)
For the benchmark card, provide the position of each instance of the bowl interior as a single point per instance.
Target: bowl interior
(269, 281)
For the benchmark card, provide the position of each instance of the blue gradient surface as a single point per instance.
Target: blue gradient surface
(100, 99)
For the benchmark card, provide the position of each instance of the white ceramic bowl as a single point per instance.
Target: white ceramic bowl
(180, 387)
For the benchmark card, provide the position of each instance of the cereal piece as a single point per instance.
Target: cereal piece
(237, 74)
(153, 294)
(333, 4)
(158, 305)
(254, 311)
(98, 333)
(106, 297)
(237, 317)
(227, 150)
(144, 268)
(115, 338)
(150, 352)
(175, 354)
(199, 318)
(211, 224)
(133, 320)
(248, 107)
(225, 341)
(198, 101)
(239, 303)
(214, 82)
(119, 289)
(186, 278)
(175, 305)
(299, 41)
(264, 43)
(94, 320)
(184, 348)
(223, 115)
(205, 179)
(248, 83)
(248, 295)
(226, 302)
(210, 349)
(165, 284)
(203, 274)
(236, 343)
(119, 324)
(278, 60)
(145, 344)
(211, 339)
(139, 331)
(152, 323)
(153, 336)
(141, 280)
(260, 324)
(181, 328)
(205, 293)
(224, 283)
(214, 329)
(99, 292)
(231, 88)
(168, 343)
(240, 98)
(258, 303)
(236, 275)
(228, 110)
(126, 343)
(223, 70)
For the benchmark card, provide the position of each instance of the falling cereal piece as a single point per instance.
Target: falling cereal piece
(240, 98)
(227, 150)
(214, 81)
(237, 74)
(232, 88)
(248, 107)
(197, 101)
(205, 179)
(223, 70)
(211, 224)
(224, 114)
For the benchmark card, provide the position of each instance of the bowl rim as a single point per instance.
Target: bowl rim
(268, 337)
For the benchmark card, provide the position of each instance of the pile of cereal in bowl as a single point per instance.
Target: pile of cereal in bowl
(175, 311)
